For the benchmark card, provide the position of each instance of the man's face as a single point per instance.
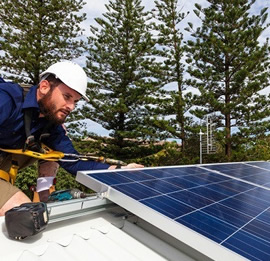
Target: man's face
(57, 104)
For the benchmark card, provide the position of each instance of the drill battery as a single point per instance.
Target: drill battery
(26, 220)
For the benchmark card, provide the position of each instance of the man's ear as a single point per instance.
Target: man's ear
(44, 88)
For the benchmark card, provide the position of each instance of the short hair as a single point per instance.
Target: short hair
(52, 80)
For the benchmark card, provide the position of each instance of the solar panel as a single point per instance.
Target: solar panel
(223, 217)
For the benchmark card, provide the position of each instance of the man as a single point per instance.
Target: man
(61, 86)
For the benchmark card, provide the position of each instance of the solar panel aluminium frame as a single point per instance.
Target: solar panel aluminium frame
(193, 239)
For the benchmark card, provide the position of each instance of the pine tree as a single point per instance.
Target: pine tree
(122, 69)
(229, 66)
(170, 39)
(36, 34)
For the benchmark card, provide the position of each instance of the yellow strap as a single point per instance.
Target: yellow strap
(50, 156)
(13, 173)
(4, 175)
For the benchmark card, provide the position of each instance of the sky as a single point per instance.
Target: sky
(95, 8)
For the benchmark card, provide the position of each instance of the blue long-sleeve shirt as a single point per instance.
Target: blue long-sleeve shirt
(12, 130)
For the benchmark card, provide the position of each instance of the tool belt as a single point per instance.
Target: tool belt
(48, 155)
(11, 176)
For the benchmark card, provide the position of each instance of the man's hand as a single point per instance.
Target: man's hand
(129, 166)
(44, 195)
(132, 166)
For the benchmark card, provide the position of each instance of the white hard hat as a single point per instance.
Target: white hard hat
(71, 74)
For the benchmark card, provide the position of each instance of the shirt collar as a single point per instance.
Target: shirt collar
(30, 100)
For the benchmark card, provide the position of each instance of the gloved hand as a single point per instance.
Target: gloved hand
(44, 195)
(45, 186)
(132, 166)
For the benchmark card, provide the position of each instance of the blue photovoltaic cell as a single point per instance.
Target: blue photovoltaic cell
(257, 173)
(227, 214)
(258, 228)
(243, 207)
(238, 186)
(161, 186)
(191, 199)
(262, 178)
(224, 188)
(263, 164)
(182, 183)
(136, 190)
(209, 193)
(265, 216)
(207, 225)
(136, 176)
(159, 174)
(111, 179)
(248, 245)
(168, 206)
(234, 213)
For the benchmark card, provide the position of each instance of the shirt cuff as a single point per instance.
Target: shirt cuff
(44, 183)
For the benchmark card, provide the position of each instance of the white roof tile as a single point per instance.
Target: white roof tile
(90, 237)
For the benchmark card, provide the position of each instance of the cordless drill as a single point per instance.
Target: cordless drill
(67, 194)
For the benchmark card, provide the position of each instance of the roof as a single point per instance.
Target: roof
(92, 229)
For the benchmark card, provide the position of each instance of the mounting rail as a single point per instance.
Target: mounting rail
(68, 209)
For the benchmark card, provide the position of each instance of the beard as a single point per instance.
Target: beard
(49, 109)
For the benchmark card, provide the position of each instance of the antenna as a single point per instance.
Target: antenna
(207, 139)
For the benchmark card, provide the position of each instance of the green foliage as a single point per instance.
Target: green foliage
(170, 114)
(169, 154)
(34, 34)
(65, 180)
(27, 178)
(107, 147)
(122, 69)
(229, 67)
(94, 145)
(259, 150)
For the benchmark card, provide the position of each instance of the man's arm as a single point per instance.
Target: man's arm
(59, 141)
